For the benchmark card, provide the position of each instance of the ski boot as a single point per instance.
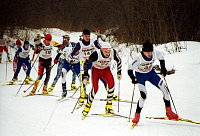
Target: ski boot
(64, 94)
(44, 90)
(170, 114)
(108, 107)
(86, 110)
(115, 97)
(81, 100)
(26, 81)
(73, 86)
(136, 118)
(34, 87)
(29, 78)
(12, 81)
(51, 88)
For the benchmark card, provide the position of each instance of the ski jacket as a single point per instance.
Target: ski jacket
(86, 48)
(142, 64)
(99, 61)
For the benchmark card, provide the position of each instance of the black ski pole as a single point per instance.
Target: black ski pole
(169, 93)
(118, 93)
(37, 80)
(131, 103)
(26, 76)
(6, 68)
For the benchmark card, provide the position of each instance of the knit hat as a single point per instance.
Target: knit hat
(66, 37)
(26, 42)
(48, 37)
(147, 47)
(86, 32)
(105, 45)
(18, 42)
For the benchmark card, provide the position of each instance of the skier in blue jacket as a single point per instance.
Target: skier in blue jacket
(143, 66)
(22, 54)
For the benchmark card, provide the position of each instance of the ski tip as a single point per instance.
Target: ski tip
(132, 127)
(83, 117)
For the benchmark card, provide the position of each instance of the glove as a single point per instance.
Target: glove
(71, 62)
(86, 75)
(163, 72)
(119, 76)
(86, 79)
(55, 61)
(134, 80)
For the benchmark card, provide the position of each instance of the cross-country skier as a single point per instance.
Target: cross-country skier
(22, 56)
(72, 64)
(143, 66)
(101, 62)
(45, 53)
(15, 60)
(60, 61)
(3, 47)
(85, 47)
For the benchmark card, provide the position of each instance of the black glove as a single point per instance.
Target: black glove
(163, 69)
(134, 80)
(86, 75)
(163, 72)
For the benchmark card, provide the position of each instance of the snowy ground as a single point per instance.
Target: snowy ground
(43, 116)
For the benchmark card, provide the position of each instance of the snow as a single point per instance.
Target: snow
(44, 116)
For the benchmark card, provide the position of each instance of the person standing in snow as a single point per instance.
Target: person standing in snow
(22, 56)
(45, 53)
(72, 64)
(143, 66)
(86, 47)
(3, 47)
(60, 59)
(15, 60)
(101, 62)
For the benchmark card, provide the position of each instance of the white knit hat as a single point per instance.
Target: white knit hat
(105, 45)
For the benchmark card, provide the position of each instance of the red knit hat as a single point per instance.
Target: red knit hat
(18, 42)
(48, 37)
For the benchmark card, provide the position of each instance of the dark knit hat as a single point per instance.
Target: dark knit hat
(86, 32)
(26, 42)
(147, 47)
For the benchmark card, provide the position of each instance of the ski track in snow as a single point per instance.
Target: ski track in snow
(44, 116)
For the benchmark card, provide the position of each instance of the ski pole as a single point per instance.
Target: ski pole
(75, 105)
(131, 103)
(26, 76)
(74, 92)
(118, 93)
(6, 68)
(37, 80)
(169, 93)
(50, 117)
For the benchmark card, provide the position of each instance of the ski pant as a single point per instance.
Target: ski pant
(22, 61)
(104, 83)
(5, 49)
(59, 71)
(156, 81)
(107, 76)
(66, 67)
(44, 64)
(15, 61)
